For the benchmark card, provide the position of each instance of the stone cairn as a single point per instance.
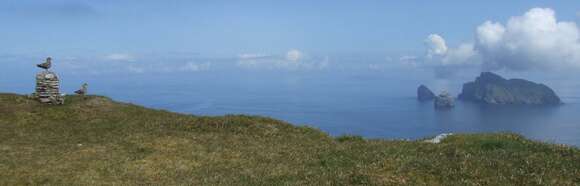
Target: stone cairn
(48, 88)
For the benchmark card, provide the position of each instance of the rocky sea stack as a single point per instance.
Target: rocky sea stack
(490, 88)
(424, 94)
(444, 101)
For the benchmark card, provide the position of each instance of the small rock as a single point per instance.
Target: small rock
(424, 94)
(439, 138)
(444, 101)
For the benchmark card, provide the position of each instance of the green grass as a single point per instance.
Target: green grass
(94, 140)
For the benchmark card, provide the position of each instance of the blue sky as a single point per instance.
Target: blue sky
(233, 27)
(422, 39)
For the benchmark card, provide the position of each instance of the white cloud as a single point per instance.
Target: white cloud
(464, 54)
(490, 34)
(293, 55)
(409, 60)
(435, 45)
(120, 57)
(135, 69)
(292, 60)
(252, 56)
(535, 40)
(196, 67)
(439, 54)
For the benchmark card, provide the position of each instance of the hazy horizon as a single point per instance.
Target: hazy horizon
(431, 40)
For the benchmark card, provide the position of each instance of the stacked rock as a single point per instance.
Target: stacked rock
(444, 101)
(48, 88)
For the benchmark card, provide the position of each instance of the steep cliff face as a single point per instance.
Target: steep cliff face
(424, 94)
(491, 88)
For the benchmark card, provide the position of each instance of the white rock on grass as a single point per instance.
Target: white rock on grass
(438, 138)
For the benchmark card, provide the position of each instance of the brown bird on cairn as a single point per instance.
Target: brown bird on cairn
(46, 65)
(83, 90)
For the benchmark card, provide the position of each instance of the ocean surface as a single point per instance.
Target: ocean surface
(395, 117)
(373, 105)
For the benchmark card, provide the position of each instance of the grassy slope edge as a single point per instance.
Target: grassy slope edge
(95, 140)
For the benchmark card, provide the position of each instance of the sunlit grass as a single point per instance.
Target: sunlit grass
(94, 140)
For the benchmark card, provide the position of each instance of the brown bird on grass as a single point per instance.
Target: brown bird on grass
(83, 90)
(46, 65)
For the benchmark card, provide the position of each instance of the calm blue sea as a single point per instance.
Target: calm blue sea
(392, 117)
(374, 105)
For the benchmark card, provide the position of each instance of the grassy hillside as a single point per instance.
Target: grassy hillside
(95, 140)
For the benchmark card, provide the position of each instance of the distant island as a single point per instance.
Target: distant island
(93, 140)
(490, 88)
